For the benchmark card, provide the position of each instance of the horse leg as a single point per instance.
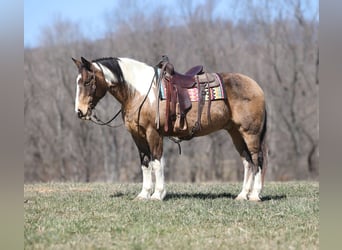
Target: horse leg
(258, 185)
(247, 178)
(158, 168)
(155, 142)
(254, 183)
(145, 158)
(241, 147)
(147, 178)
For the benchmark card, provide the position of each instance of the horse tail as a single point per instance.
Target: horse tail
(263, 152)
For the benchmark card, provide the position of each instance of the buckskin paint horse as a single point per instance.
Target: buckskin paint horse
(134, 85)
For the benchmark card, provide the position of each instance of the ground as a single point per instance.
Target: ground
(192, 216)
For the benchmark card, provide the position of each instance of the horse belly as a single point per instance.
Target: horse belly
(213, 119)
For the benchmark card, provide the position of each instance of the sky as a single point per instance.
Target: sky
(89, 13)
(42, 13)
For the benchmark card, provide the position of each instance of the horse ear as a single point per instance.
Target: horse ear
(86, 63)
(77, 62)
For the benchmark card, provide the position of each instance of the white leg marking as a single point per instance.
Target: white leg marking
(257, 187)
(147, 183)
(77, 92)
(244, 192)
(158, 167)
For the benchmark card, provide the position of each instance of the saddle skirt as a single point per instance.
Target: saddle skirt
(214, 89)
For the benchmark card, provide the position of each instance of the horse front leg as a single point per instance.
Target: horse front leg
(155, 142)
(158, 168)
(147, 186)
(151, 151)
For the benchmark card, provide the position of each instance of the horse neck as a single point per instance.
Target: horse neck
(138, 79)
(121, 93)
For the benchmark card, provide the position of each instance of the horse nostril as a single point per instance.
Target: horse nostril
(79, 113)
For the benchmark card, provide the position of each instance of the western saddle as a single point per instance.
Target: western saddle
(178, 101)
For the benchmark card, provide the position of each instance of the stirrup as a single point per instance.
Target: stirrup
(180, 124)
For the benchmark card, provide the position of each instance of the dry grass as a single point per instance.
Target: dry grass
(193, 216)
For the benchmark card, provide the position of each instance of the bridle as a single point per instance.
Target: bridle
(93, 101)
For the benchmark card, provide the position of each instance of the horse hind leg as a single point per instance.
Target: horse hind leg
(260, 160)
(255, 179)
(248, 148)
(257, 145)
(242, 149)
(243, 195)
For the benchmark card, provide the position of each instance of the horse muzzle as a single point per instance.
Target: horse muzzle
(83, 116)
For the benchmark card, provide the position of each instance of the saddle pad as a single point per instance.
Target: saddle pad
(217, 93)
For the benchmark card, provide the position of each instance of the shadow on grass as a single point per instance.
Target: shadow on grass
(201, 196)
(204, 196)
(117, 195)
(274, 197)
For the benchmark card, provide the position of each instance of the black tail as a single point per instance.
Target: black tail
(263, 153)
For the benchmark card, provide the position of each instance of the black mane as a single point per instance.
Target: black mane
(112, 63)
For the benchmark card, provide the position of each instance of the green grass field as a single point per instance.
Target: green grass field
(193, 216)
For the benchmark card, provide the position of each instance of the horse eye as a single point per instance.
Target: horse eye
(87, 82)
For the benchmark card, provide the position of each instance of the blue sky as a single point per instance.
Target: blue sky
(89, 14)
(42, 13)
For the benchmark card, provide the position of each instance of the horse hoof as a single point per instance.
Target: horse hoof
(143, 197)
(241, 197)
(139, 198)
(255, 198)
(159, 196)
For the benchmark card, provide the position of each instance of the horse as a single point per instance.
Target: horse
(134, 84)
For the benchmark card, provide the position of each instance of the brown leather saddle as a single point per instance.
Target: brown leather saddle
(178, 101)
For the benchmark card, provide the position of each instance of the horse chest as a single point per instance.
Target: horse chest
(135, 126)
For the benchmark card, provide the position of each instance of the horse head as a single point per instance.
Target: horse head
(91, 87)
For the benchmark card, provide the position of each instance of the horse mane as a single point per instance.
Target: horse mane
(112, 63)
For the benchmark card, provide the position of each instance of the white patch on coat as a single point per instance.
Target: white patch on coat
(77, 92)
(139, 76)
(109, 76)
(257, 187)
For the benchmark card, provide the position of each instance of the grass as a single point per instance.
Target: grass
(193, 216)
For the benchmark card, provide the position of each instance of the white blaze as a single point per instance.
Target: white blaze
(77, 92)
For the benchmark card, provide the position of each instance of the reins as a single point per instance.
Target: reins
(102, 123)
